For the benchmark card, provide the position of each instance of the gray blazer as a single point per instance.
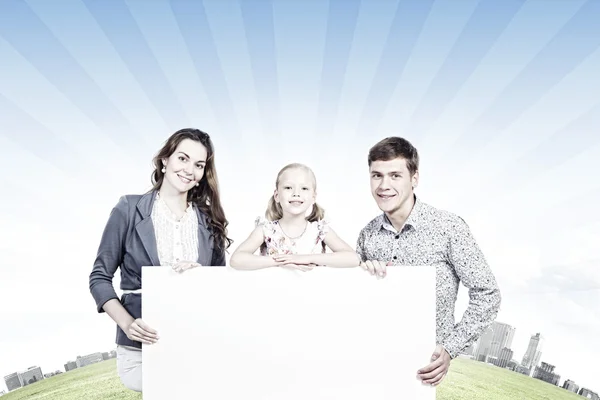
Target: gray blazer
(129, 242)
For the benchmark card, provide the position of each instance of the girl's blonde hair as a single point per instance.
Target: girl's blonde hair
(274, 211)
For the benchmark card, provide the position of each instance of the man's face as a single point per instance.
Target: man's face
(392, 184)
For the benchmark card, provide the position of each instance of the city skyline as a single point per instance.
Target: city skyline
(563, 379)
(532, 357)
(503, 106)
(21, 378)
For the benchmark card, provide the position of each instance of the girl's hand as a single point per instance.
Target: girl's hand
(185, 265)
(298, 259)
(297, 267)
(140, 332)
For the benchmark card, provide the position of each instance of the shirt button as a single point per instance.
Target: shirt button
(177, 259)
(397, 236)
(395, 258)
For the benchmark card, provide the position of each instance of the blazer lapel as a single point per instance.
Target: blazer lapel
(204, 240)
(145, 228)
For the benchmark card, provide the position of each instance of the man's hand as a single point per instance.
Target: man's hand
(376, 267)
(437, 370)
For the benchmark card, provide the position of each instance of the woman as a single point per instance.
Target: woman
(179, 223)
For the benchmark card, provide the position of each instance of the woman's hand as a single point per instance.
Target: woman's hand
(140, 332)
(185, 265)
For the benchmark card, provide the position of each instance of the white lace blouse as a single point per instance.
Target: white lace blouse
(176, 240)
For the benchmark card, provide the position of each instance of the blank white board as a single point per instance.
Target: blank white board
(276, 334)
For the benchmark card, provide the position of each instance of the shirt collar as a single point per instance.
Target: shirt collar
(165, 210)
(413, 220)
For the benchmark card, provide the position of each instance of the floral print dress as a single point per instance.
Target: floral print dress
(276, 242)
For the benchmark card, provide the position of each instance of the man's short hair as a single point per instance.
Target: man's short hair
(394, 147)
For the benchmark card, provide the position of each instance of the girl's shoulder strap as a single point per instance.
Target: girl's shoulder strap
(324, 223)
(261, 221)
(268, 227)
(322, 227)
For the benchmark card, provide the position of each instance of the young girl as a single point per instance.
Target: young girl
(179, 223)
(287, 237)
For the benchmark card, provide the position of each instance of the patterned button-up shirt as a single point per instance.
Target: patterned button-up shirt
(436, 237)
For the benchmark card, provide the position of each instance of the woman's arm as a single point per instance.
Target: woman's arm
(109, 256)
(243, 258)
(135, 329)
(108, 259)
(118, 313)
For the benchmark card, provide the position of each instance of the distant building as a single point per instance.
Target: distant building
(588, 394)
(536, 359)
(32, 375)
(523, 370)
(534, 352)
(89, 359)
(545, 373)
(505, 357)
(570, 386)
(51, 374)
(502, 337)
(489, 345)
(469, 351)
(484, 345)
(70, 366)
(13, 381)
(492, 360)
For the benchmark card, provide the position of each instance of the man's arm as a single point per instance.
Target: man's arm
(484, 295)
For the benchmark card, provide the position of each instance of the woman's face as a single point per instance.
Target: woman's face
(185, 167)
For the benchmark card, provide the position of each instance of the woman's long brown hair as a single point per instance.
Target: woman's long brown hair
(206, 195)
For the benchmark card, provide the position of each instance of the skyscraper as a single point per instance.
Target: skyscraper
(494, 339)
(502, 337)
(484, 344)
(534, 352)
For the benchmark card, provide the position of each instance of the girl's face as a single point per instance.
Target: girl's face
(185, 167)
(295, 191)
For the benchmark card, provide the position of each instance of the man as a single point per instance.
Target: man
(410, 232)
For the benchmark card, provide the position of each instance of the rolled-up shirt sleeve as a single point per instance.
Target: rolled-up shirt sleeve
(476, 275)
(109, 256)
(360, 246)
